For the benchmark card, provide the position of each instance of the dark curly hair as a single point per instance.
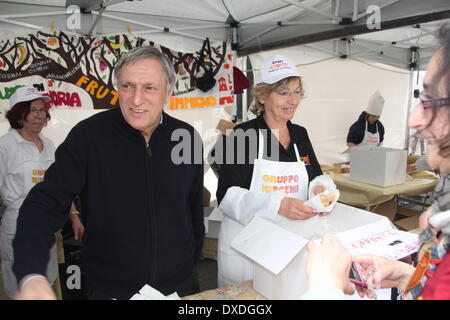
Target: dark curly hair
(19, 112)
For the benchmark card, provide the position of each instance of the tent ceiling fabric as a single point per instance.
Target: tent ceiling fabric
(261, 24)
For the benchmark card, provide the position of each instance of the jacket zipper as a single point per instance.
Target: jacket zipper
(151, 215)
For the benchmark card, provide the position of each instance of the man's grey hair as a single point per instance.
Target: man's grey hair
(146, 52)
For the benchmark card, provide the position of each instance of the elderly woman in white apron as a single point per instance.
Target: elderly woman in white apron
(368, 129)
(271, 178)
(25, 155)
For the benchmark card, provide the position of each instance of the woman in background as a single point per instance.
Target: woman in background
(25, 155)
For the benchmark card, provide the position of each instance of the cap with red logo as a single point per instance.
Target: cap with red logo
(276, 68)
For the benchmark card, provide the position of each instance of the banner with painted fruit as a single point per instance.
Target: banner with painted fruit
(77, 72)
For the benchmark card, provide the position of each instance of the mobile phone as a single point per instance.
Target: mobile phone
(357, 277)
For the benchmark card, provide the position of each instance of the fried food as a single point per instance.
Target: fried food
(328, 199)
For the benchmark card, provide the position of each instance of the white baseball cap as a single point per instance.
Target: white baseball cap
(376, 104)
(26, 94)
(276, 68)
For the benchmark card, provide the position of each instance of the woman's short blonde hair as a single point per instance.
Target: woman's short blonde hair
(262, 90)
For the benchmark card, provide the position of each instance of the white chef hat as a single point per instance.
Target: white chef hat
(376, 104)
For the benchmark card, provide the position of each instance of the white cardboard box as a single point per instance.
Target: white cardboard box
(380, 166)
(279, 253)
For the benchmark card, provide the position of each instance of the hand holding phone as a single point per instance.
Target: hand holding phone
(357, 277)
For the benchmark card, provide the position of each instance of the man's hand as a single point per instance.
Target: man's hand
(77, 227)
(36, 289)
(295, 209)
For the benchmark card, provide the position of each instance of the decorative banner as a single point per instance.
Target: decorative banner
(76, 72)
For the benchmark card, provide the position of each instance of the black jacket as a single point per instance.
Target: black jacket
(358, 129)
(236, 174)
(143, 213)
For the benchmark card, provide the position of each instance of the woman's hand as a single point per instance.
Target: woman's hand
(295, 209)
(318, 189)
(383, 273)
(423, 219)
(329, 264)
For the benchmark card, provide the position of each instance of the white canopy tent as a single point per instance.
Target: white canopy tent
(253, 25)
(345, 49)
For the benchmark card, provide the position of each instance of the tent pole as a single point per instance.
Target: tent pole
(413, 66)
(411, 79)
(244, 94)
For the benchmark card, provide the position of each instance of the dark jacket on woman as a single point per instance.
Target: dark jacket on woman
(235, 172)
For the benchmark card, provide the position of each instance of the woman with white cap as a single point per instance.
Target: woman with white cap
(368, 129)
(25, 155)
(268, 168)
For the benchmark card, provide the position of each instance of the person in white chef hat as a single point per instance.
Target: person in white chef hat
(368, 129)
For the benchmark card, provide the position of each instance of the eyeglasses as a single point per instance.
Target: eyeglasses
(431, 103)
(286, 93)
(37, 111)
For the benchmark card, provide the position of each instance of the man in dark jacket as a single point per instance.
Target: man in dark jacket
(141, 194)
(368, 129)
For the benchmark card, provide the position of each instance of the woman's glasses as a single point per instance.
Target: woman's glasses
(431, 103)
(286, 93)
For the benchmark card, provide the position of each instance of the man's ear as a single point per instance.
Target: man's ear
(169, 94)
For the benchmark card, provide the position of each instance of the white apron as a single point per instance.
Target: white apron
(290, 178)
(33, 172)
(371, 139)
